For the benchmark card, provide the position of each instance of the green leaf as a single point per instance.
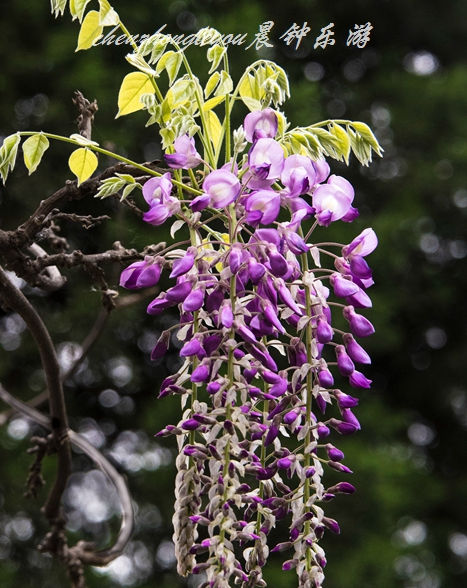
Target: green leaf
(77, 8)
(367, 135)
(134, 85)
(82, 163)
(211, 84)
(8, 152)
(225, 85)
(127, 191)
(83, 140)
(249, 93)
(138, 61)
(107, 15)
(58, 7)
(90, 30)
(215, 55)
(110, 186)
(213, 102)
(343, 139)
(171, 62)
(33, 149)
(214, 129)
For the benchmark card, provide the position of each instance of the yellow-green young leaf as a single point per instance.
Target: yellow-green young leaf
(367, 135)
(212, 83)
(171, 62)
(212, 102)
(214, 129)
(344, 140)
(139, 62)
(90, 30)
(58, 7)
(8, 152)
(249, 94)
(225, 85)
(134, 85)
(82, 163)
(33, 149)
(107, 15)
(214, 56)
(77, 8)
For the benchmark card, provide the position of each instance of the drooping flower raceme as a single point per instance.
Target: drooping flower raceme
(262, 359)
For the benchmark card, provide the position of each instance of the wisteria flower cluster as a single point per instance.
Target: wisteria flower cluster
(269, 323)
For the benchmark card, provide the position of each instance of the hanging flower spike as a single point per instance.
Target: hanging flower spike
(185, 156)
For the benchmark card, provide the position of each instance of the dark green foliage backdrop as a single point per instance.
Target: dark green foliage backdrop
(407, 525)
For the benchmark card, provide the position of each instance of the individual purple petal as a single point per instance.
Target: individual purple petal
(342, 286)
(266, 159)
(359, 267)
(333, 200)
(183, 265)
(185, 155)
(156, 189)
(298, 175)
(179, 292)
(157, 214)
(161, 346)
(358, 380)
(200, 202)
(158, 305)
(324, 332)
(211, 343)
(226, 315)
(342, 488)
(200, 373)
(322, 170)
(214, 300)
(332, 525)
(344, 363)
(262, 207)
(245, 333)
(141, 274)
(350, 418)
(356, 351)
(284, 463)
(191, 348)
(194, 300)
(325, 378)
(278, 263)
(345, 400)
(222, 186)
(273, 431)
(256, 270)
(359, 325)
(235, 258)
(362, 245)
(359, 300)
(334, 453)
(190, 425)
(291, 417)
(260, 124)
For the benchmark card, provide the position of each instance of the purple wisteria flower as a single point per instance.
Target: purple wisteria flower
(249, 289)
(333, 201)
(298, 175)
(260, 124)
(141, 274)
(156, 192)
(221, 188)
(185, 156)
(266, 159)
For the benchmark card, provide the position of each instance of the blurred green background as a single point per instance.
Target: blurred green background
(407, 524)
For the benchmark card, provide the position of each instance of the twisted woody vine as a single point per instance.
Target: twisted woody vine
(270, 308)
